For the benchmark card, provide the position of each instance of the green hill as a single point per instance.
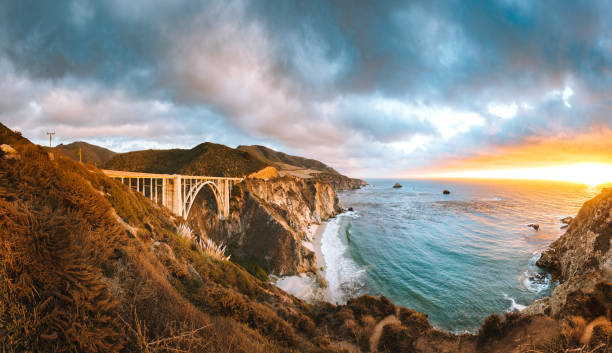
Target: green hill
(205, 159)
(96, 155)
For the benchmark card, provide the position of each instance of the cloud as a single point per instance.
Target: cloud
(374, 89)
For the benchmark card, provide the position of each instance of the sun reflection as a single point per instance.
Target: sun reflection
(591, 174)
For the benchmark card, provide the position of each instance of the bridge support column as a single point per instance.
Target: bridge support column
(226, 198)
(177, 196)
(164, 182)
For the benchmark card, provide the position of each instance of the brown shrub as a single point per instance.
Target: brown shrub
(396, 338)
(418, 322)
(378, 308)
(580, 304)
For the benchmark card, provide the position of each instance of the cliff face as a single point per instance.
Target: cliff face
(581, 260)
(585, 247)
(269, 220)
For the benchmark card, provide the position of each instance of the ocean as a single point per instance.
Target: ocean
(457, 258)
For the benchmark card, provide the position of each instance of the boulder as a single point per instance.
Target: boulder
(534, 226)
(397, 186)
(8, 152)
(350, 209)
(567, 220)
(446, 192)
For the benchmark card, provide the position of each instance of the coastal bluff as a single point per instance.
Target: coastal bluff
(581, 260)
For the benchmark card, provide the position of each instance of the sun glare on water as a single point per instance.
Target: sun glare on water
(591, 174)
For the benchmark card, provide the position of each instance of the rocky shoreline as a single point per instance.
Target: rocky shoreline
(308, 286)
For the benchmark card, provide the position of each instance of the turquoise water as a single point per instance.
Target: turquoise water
(459, 257)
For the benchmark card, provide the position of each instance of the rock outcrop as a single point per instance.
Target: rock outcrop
(339, 182)
(269, 220)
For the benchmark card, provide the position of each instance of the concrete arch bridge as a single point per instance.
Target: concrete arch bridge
(177, 192)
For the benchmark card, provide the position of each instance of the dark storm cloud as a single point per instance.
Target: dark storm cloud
(344, 81)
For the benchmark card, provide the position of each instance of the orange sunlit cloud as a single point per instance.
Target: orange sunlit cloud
(584, 158)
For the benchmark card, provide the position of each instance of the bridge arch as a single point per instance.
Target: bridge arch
(195, 190)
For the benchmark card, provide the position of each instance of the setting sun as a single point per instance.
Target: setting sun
(591, 174)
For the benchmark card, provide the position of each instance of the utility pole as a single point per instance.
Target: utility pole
(50, 137)
(80, 155)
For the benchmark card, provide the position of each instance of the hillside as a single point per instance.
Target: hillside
(283, 161)
(302, 167)
(205, 159)
(96, 155)
(10, 137)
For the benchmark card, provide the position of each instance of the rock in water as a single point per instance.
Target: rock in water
(446, 192)
(350, 209)
(397, 186)
(534, 226)
(567, 220)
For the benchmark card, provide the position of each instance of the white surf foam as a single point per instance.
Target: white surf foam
(534, 279)
(303, 286)
(514, 306)
(344, 277)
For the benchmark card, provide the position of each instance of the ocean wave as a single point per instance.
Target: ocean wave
(350, 214)
(514, 306)
(344, 277)
(534, 279)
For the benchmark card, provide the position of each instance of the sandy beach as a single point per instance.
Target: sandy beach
(307, 286)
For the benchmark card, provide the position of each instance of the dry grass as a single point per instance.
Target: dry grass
(75, 279)
(204, 244)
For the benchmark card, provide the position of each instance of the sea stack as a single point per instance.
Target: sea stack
(446, 192)
(397, 186)
(535, 227)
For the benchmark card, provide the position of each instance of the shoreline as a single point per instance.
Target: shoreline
(307, 286)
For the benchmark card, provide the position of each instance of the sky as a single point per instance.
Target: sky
(372, 88)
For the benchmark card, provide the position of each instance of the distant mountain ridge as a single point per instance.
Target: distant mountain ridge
(90, 153)
(205, 159)
(282, 161)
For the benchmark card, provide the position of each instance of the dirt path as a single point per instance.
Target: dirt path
(375, 338)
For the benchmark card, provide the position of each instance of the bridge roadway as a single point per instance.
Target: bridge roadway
(177, 192)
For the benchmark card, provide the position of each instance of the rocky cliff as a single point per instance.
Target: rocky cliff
(269, 220)
(339, 182)
(581, 260)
